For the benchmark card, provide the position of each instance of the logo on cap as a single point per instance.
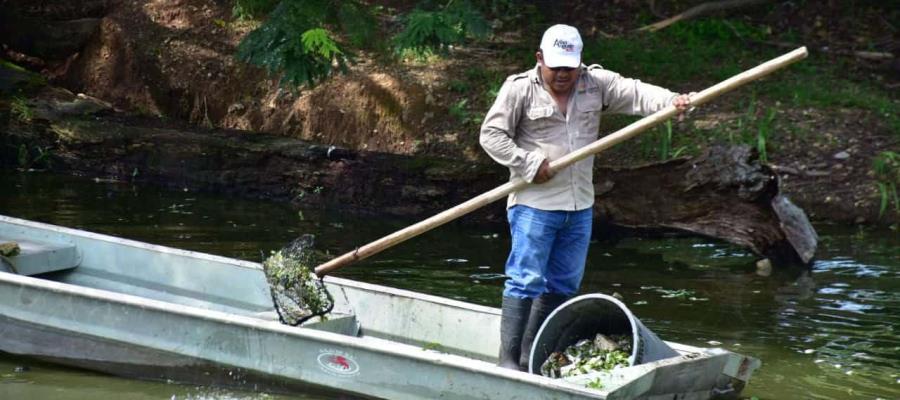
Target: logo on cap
(564, 45)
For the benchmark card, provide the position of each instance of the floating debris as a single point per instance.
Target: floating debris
(433, 346)
(9, 249)
(677, 293)
(603, 353)
(487, 276)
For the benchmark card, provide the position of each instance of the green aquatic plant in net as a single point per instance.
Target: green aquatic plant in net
(297, 292)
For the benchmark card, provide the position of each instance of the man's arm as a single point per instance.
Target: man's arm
(497, 134)
(631, 96)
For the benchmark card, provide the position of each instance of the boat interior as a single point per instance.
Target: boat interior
(369, 312)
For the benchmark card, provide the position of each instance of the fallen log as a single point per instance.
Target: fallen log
(702, 10)
(724, 194)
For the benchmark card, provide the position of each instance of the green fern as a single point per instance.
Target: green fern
(295, 43)
(433, 31)
(319, 42)
(305, 41)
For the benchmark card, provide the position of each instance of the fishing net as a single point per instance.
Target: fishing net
(297, 292)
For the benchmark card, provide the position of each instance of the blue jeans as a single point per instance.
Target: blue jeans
(549, 249)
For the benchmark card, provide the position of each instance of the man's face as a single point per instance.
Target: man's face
(560, 80)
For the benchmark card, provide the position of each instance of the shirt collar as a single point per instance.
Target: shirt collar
(538, 80)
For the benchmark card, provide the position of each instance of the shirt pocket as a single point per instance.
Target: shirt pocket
(589, 118)
(540, 123)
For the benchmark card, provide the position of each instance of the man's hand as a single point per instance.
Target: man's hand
(543, 174)
(683, 103)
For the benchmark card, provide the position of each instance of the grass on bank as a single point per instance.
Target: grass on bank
(713, 50)
(887, 174)
(706, 52)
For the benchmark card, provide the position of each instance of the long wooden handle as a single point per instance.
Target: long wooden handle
(557, 165)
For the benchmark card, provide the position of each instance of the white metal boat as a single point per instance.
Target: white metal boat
(139, 310)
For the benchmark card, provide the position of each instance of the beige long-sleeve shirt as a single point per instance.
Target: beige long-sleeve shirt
(525, 126)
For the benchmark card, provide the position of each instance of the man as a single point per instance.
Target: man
(539, 116)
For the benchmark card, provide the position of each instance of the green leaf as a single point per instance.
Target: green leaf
(295, 44)
(319, 42)
(428, 31)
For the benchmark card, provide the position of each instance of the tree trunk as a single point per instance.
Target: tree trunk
(701, 10)
(725, 193)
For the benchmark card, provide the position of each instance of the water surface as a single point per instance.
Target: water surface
(827, 332)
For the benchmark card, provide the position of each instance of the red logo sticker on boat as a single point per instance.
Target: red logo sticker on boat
(338, 363)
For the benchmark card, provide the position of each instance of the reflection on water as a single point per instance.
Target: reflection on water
(22, 378)
(827, 332)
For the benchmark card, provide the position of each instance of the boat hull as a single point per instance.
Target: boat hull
(129, 361)
(156, 340)
(138, 310)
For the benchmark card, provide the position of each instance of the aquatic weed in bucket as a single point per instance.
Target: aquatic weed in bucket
(586, 316)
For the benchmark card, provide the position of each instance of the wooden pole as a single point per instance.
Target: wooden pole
(602, 144)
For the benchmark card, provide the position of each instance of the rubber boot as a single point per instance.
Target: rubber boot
(540, 309)
(512, 324)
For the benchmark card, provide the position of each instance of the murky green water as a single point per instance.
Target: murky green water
(831, 332)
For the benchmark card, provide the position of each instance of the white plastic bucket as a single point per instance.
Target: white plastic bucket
(585, 316)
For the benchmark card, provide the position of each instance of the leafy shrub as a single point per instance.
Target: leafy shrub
(298, 42)
(431, 29)
(306, 41)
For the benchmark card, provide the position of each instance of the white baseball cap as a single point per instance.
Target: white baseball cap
(561, 47)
